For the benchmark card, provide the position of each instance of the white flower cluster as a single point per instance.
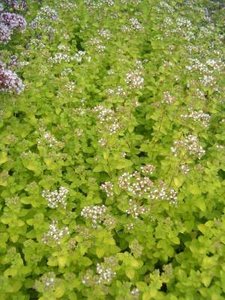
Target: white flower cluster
(163, 192)
(102, 142)
(147, 169)
(135, 209)
(98, 4)
(207, 80)
(104, 114)
(107, 187)
(48, 139)
(97, 44)
(95, 213)
(130, 1)
(79, 56)
(107, 117)
(47, 281)
(109, 222)
(198, 116)
(36, 43)
(196, 65)
(134, 79)
(135, 183)
(168, 98)
(211, 65)
(54, 234)
(190, 144)
(70, 86)
(180, 26)
(60, 57)
(45, 14)
(118, 91)
(106, 274)
(163, 5)
(135, 292)
(66, 72)
(215, 64)
(67, 5)
(105, 33)
(129, 226)
(135, 24)
(56, 198)
(184, 169)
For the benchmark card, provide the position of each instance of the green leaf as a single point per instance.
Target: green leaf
(3, 157)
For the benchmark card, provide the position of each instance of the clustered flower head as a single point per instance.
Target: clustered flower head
(147, 169)
(55, 234)
(8, 23)
(9, 81)
(98, 44)
(130, 1)
(105, 33)
(56, 198)
(106, 274)
(45, 14)
(104, 114)
(67, 5)
(95, 213)
(98, 4)
(48, 139)
(163, 192)
(60, 57)
(134, 79)
(117, 91)
(168, 98)
(16, 4)
(109, 222)
(184, 168)
(107, 187)
(198, 116)
(135, 292)
(5, 33)
(13, 21)
(135, 24)
(135, 183)
(190, 144)
(46, 282)
(108, 118)
(135, 209)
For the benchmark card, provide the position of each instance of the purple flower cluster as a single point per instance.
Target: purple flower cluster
(16, 4)
(13, 21)
(5, 33)
(9, 22)
(9, 81)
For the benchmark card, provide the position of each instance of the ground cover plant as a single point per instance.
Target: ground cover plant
(112, 173)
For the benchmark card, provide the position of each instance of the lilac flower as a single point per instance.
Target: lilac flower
(13, 21)
(5, 33)
(10, 82)
(16, 4)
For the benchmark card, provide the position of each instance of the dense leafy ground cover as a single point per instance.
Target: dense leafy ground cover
(112, 151)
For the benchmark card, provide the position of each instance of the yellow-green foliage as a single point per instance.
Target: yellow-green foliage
(112, 173)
